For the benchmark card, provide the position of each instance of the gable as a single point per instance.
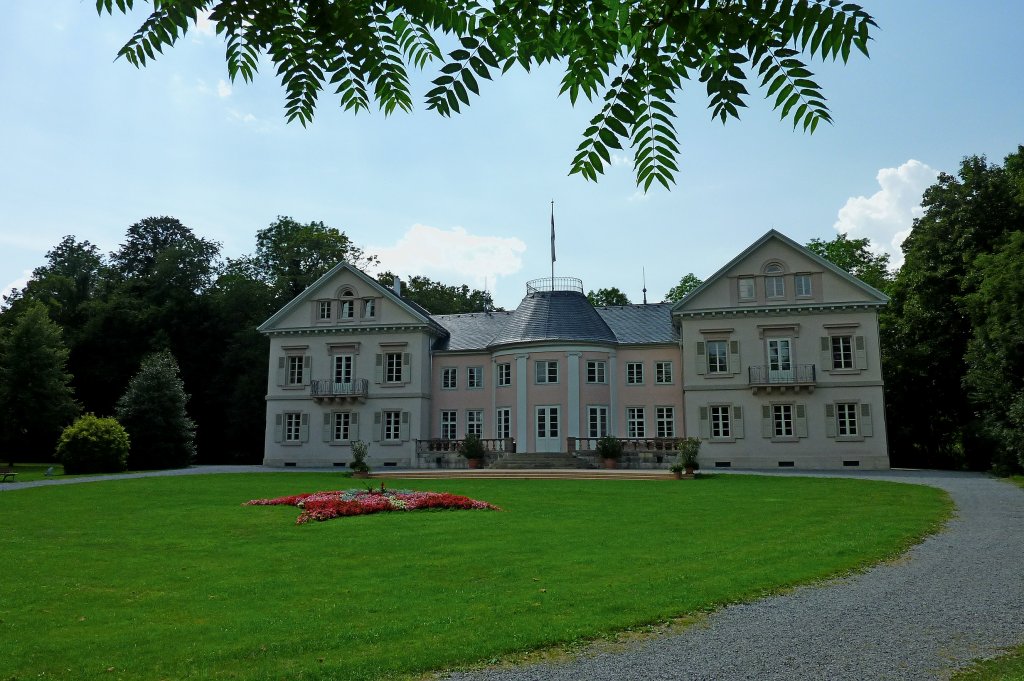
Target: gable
(775, 271)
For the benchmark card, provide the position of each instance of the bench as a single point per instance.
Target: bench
(6, 474)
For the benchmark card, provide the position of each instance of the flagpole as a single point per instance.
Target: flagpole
(552, 245)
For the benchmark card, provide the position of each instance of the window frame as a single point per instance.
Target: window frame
(597, 420)
(800, 277)
(550, 369)
(780, 420)
(295, 374)
(475, 422)
(449, 424)
(503, 422)
(852, 418)
(636, 422)
(634, 373)
(720, 367)
(723, 423)
(847, 358)
(504, 374)
(597, 372)
(474, 378)
(390, 376)
(665, 421)
(292, 423)
(750, 285)
(663, 372)
(449, 378)
(341, 426)
(393, 427)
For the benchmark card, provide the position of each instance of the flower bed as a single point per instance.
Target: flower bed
(326, 505)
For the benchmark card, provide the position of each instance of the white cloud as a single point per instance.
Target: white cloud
(223, 88)
(18, 283)
(639, 195)
(453, 256)
(887, 216)
(204, 26)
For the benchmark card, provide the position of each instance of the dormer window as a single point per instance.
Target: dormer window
(745, 288)
(774, 284)
(347, 306)
(369, 309)
(323, 310)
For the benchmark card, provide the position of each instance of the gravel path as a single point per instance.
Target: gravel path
(958, 595)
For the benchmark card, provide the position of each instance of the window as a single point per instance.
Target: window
(745, 288)
(449, 378)
(782, 420)
(634, 373)
(635, 422)
(343, 369)
(449, 421)
(842, 352)
(547, 371)
(721, 424)
(774, 284)
(475, 422)
(296, 375)
(718, 357)
(342, 425)
(663, 372)
(475, 377)
(597, 421)
(347, 307)
(597, 372)
(393, 369)
(665, 421)
(802, 284)
(504, 374)
(846, 419)
(323, 310)
(369, 309)
(293, 427)
(392, 426)
(503, 424)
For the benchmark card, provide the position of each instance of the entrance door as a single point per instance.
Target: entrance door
(548, 430)
(780, 361)
(342, 374)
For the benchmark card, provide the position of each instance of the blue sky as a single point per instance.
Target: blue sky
(92, 145)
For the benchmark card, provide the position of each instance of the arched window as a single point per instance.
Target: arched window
(348, 304)
(774, 283)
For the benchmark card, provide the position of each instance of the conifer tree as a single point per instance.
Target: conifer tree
(152, 410)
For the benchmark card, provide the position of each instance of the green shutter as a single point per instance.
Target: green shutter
(860, 353)
(734, 357)
(378, 426)
(280, 370)
(867, 428)
(353, 426)
(800, 421)
(406, 367)
(403, 427)
(826, 353)
(328, 427)
(278, 427)
(705, 424)
(307, 369)
(702, 359)
(830, 420)
(378, 369)
(737, 422)
(766, 420)
(304, 427)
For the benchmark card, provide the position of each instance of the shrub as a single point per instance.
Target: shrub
(689, 448)
(358, 462)
(93, 445)
(609, 447)
(472, 447)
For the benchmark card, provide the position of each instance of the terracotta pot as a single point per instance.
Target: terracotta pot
(678, 475)
(611, 463)
(361, 474)
(475, 463)
(689, 471)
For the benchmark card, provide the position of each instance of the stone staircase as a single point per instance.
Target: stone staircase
(522, 474)
(539, 461)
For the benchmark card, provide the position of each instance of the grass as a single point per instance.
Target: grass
(27, 472)
(1017, 480)
(172, 578)
(1009, 667)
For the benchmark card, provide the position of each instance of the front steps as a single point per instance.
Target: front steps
(539, 461)
(522, 474)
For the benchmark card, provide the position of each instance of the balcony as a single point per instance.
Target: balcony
(326, 390)
(798, 377)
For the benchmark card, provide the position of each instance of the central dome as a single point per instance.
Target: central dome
(554, 315)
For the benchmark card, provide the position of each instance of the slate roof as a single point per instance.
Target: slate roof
(558, 316)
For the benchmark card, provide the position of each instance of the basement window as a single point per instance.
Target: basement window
(851, 463)
(723, 464)
(786, 464)
(289, 464)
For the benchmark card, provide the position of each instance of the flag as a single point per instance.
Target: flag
(552, 231)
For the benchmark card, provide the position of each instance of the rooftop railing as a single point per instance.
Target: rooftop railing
(554, 284)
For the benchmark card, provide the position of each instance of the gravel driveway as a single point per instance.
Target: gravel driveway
(958, 596)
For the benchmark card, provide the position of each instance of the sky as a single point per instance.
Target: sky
(92, 145)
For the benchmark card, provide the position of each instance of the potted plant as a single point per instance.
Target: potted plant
(358, 464)
(473, 449)
(689, 448)
(609, 450)
(677, 470)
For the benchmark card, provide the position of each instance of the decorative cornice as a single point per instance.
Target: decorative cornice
(777, 310)
(349, 330)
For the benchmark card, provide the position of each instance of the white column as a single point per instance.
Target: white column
(573, 380)
(613, 396)
(523, 418)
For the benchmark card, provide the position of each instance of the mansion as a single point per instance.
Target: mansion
(774, 361)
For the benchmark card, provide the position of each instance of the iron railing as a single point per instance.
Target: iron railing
(798, 374)
(328, 388)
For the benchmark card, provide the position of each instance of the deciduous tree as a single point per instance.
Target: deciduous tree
(856, 257)
(633, 57)
(687, 283)
(439, 298)
(604, 297)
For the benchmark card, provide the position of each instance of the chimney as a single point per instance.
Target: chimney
(397, 286)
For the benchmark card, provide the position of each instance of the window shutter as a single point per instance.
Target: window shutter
(737, 422)
(280, 370)
(860, 354)
(353, 426)
(830, 420)
(705, 424)
(826, 353)
(766, 420)
(307, 369)
(867, 428)
(800, 421)
(278, 427)
(403, 427)
(304, 427)
(378, 369)
(734, 357)
(328, 426)
(378, 426)
(702, 360)
(406, 367)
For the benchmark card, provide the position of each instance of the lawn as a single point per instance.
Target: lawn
(173, 578)
(28, 472)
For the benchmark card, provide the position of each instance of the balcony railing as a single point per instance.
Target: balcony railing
(799, 374)
(439, 444)
(325, 388)
(629, 444)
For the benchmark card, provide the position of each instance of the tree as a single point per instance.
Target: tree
(439, 298)
(290, 255)
(954, 247)
(605, 297)
(633, 57)
(688, 282)
(163, 249)
(36, 399)
(855, 256)
(152, 410)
